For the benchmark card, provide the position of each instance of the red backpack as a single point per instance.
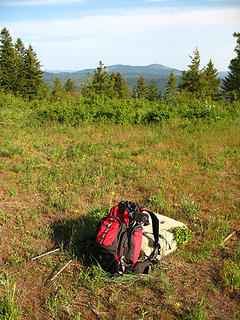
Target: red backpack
(119, 239)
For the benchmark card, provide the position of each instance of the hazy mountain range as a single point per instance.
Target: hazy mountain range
(157, 72)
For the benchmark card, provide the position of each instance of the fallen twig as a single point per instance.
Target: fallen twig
(229, 237)
(6, 123)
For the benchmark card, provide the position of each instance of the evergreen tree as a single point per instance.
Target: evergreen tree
(231, 84)
(100, 78)
(58, 91)
(33, 74)
(210, 82)
(44, 92)
(100, 83)
(191, 80)
(171, 86)
(120, 87)
(109, 89)
(70, 86)
(20, 69)
(153, 92)
(87, 86)
(141, 89)
(7, 62)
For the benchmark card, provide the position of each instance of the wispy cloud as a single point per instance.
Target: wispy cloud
(29, 3)
(164, 36)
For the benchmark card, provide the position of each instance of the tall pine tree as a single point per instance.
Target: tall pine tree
(58, 91)
(100, 83)
(171, 86)
(7, 62)
(70, 86)
(210, 82)
(191, 80)
(153, 92)
(121, 88)
(231, 84)
(140, 91)
(33, 74)
(20, 69)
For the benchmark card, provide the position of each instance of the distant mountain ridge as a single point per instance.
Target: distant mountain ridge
(158, 72)
(158, 69)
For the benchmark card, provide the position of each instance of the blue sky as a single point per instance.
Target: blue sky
(77, 34)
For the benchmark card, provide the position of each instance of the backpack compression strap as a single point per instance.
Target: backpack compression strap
(155, 226)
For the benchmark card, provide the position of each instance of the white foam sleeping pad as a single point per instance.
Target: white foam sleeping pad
(166, 238)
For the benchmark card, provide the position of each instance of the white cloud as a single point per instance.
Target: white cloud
(38, 2)
(135, 37)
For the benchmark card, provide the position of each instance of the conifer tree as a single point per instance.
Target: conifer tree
(7, 62)
(120, 86)
(100, 83)
(58, 91)
(191, 80)
(87, 87)
(153, 92)
(109, 89)
(20, 69)
(231, 84)
(33, 74)
(99, 78)
(210, 82)
(140, 91)
(44, 91)
(171, 86)
(70, 86)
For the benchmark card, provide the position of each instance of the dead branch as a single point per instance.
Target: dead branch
(229, 237)
(6, 123)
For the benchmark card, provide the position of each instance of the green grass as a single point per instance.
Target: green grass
(57, 181)
(197, 313)
(230, 272)
(7, 305)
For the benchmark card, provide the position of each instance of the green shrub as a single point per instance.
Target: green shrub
(121, 111)
(182, 235)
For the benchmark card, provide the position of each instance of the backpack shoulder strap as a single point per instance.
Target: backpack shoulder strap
(155, 227)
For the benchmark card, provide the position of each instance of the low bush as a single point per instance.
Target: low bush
(101, 108)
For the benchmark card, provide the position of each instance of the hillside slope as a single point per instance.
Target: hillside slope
(158, 72)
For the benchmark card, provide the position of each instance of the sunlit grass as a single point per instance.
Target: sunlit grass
(58, 181)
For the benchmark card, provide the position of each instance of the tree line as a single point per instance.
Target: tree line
(21, 74)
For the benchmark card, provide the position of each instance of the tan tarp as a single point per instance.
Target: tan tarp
(167, 243)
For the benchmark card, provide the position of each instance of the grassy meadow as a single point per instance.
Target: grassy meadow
(58, 179)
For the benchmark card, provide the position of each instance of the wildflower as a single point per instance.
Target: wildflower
(113, 193)
(76, 211)
(177, 304)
